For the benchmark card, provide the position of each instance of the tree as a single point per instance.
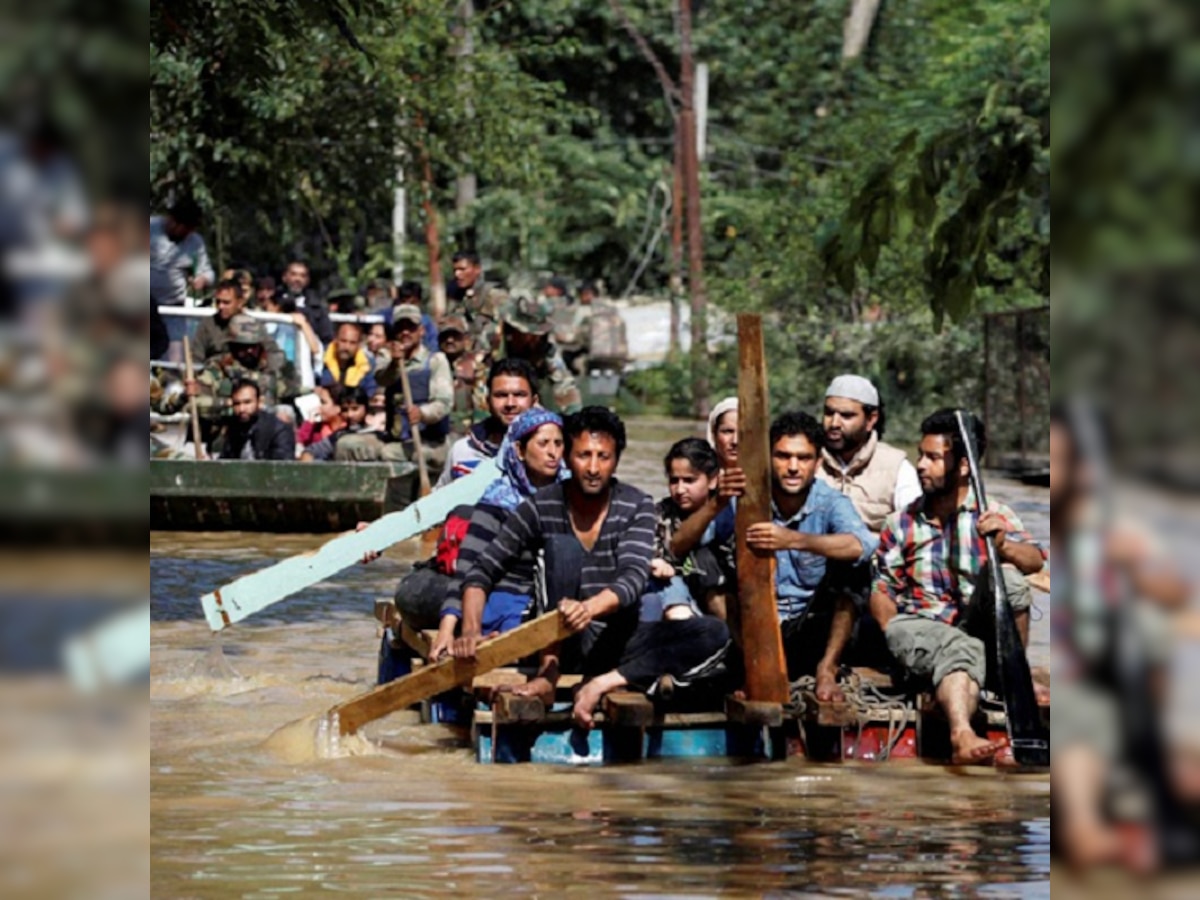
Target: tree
(970, 188)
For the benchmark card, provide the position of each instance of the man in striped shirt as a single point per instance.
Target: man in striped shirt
(598, 537)
(931, 597)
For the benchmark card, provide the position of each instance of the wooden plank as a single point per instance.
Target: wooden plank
(509, 708)
(628, 709)
(418, 640)
(255, 592)
(753, 712)
(505, 677)
(761, 639)
(442, 676)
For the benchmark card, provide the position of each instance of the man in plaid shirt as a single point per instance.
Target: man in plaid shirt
(931, 597)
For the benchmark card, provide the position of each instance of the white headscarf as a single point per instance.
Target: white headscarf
(729, 404)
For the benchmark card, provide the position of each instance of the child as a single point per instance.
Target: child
(377, 411)
(691, 468)
(352, 408)
(328, 418)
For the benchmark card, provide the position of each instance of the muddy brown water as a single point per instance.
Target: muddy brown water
(232, 816)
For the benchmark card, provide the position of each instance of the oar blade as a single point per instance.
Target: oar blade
(253, 593)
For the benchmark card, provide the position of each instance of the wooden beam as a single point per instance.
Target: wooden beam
(753, 712)
(509, 708)
(628, 708)
(761, 639)
(255, 592)
(417, 640)
(449, 673)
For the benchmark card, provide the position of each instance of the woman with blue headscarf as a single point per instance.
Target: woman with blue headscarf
(530, 458)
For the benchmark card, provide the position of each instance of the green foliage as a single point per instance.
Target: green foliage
(916, 368)
(912, 181)
(966, 184)
(74, 64)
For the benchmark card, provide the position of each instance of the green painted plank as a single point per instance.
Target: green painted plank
(255, 592)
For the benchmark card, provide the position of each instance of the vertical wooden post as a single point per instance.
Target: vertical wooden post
(761, 639)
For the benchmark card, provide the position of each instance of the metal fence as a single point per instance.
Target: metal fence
(1016, 402)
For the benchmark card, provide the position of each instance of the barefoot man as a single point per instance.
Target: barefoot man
(597, 534)
(812, 526)
(931, 562)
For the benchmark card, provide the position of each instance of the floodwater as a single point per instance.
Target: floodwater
(231, 817)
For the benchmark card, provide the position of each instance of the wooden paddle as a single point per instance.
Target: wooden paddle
(1029, 738)
(252, 593)
(193, 410)
(415, 430)
(450, 672)
(429, 538)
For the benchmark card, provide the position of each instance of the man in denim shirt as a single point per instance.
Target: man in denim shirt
(813, 525)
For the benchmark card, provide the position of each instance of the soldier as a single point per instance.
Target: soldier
(455, 343)
(526, 335)
(571, 328)
(480, 304)
(212, 334)
(245, 359)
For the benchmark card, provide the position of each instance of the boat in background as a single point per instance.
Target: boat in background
(289, 497)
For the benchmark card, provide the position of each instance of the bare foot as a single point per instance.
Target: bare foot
(539, 687)
(586, 700)
(1004, 759)
(1093, 845)
(828, 690)
(971, 749)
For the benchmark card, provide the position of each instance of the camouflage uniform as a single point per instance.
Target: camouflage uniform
(558, 388)
(221, 373)
(212, 339)
(481, 308)
(467, 371)
(571, 334)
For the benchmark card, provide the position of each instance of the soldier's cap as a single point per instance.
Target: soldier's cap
(452, 323)
(527, 315)
(406, 312)
(245, 329)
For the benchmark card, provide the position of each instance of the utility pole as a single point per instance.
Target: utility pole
(466, 185)
(675, 282)
(695, 236)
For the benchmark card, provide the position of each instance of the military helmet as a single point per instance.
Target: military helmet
(245, 329)
(528, 315)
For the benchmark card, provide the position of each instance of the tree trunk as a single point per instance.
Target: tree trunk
(437, 285)
(856, 31)
(695, 237)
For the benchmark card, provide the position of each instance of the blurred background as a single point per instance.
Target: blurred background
(74, 328)
(1125, 326)
(1120, 135)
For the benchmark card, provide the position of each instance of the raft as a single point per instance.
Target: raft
(879, 722)
(281, 497)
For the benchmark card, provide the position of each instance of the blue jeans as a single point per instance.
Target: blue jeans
(663, 593)
(503, 612)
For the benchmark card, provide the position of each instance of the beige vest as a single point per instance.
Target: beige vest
(869, 481)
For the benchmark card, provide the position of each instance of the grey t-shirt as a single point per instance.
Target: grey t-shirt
(172, 263)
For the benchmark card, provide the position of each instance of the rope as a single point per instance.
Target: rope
(864, 698)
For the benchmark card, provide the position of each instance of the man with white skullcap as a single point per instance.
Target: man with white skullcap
(877, 477)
